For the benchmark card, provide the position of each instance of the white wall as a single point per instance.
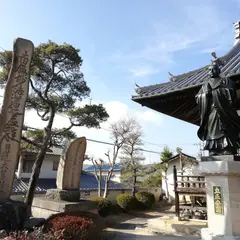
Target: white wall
(46, 169)
(190, 169)
(116, 177)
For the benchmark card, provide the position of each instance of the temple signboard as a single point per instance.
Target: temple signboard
(218, 200)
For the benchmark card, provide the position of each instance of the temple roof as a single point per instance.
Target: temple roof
(176, 98)
(192, 79)
(177, 157)
(88, 182)
(105, 167)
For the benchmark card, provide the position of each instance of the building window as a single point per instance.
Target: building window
(55, 165)
(27, 166)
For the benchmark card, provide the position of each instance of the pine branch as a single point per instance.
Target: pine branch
(38, 92)
(31, 142)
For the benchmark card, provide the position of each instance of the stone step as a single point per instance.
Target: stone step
(173, 226)
(168, 235)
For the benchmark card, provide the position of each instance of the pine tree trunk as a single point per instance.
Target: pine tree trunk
(38, 162)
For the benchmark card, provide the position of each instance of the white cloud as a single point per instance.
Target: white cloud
(150, 116)
(143, 71)
(116, 111)
(200, 23)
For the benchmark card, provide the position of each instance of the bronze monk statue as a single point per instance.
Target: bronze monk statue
(220, 123)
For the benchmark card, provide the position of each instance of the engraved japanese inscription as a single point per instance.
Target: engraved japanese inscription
(218, 201)
(70, 166)
(12, 113)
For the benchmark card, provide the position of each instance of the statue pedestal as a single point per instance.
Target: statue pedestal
(223, 198)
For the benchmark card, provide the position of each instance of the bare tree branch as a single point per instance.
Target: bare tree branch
(95, 170)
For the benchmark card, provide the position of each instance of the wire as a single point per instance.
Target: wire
(3, 49)
(154, 144)
(97, 141)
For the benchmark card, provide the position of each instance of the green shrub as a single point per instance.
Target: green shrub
(104, 205)
(126, 201)
(145, 199)
(116, 209)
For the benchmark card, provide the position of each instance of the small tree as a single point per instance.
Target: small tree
(56, 85)
(166, 154)
(120, 134)
(132, 158)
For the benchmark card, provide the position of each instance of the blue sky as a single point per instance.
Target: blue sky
(123, 42)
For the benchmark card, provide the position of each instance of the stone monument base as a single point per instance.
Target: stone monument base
(223, 198)
(64, 195)
(13, 214)
(206, 234)
(43, 207)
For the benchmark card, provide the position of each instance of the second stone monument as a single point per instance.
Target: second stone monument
(69, 172)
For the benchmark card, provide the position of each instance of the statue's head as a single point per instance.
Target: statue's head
(214, 70)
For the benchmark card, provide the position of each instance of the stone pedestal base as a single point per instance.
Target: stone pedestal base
(65, 195)
(207, 235)
(44, 208)
(224, 218)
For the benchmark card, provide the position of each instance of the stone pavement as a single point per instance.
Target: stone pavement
(131, 235)
(126, 230)
(124, 227)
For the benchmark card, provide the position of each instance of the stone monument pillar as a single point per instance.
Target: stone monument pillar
(69, 172)
(12, 114)
(66, 197)
(222, 174)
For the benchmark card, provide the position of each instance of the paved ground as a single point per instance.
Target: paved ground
(124, 226)
(145, 237)
(126, 230)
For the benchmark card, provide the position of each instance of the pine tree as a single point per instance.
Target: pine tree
(57, 86)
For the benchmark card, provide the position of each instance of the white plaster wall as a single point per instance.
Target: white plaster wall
(189, 169)
(112, 195)
(116, 175)
(46, 169)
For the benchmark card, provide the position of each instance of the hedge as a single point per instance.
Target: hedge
(104, 205)
(126, 201)
(145, 199)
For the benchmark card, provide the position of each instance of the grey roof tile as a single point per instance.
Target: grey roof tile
(193, 78)
(87, 182)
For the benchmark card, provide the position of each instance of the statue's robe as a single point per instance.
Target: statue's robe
(219, 119)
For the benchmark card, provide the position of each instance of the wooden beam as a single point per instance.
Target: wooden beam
(192, 207)
(177, 211)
